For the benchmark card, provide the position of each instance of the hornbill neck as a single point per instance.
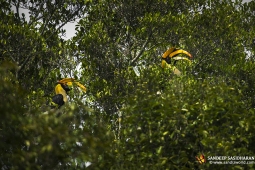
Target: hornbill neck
(60, 90)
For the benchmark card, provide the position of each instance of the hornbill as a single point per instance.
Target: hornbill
(61, 89)
(172, 54)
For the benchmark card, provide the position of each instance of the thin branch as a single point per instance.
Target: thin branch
(142, 50)
(119, 120)
(24, 62)
(5, 50)
(17, 9)
(153, 46)
(36, 18)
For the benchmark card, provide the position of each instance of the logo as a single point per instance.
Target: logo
(201, 159)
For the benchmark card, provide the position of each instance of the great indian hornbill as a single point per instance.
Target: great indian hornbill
(61, 89)
(171, 55)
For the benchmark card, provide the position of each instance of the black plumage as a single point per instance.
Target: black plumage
(58, 99)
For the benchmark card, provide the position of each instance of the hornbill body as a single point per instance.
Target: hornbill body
(61, 94)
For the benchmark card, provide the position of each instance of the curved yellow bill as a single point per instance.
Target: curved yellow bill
(173, 54)
(182, 58)
(83, 88)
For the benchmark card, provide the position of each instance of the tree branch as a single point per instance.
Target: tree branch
(142, 50)
(24, 62)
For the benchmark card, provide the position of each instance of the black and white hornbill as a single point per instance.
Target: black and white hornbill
(172, 55)
(63, 86)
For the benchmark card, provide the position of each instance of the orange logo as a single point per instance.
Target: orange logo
(201, 159)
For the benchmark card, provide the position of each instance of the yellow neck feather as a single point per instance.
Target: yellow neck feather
(60, 90)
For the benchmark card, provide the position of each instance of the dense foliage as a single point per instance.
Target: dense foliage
(153, 121)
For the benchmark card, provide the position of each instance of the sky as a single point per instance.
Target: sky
(70, 30)
(70, 27)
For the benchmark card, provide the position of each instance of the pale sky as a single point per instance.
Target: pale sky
(70, 30)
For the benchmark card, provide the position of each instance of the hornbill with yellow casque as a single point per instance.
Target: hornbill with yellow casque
(63, 86)
(172, 55)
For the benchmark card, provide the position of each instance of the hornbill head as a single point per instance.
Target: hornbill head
(65, 86)
(172, 55)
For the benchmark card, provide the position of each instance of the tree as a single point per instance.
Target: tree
(153, 121)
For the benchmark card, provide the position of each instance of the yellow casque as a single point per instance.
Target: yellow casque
(70, 81)
(172, 52)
